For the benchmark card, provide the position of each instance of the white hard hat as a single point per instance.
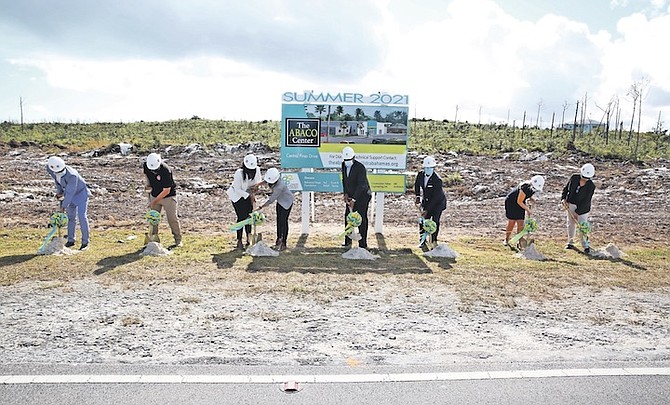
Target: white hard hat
(587, 171)
(271, 176)
(429, 161)
(250, 162)
(56, 164)
(348, 153)
(154, 161)
(537, 182)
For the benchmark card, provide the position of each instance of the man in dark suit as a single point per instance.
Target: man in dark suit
(429, 184)
(357, 193)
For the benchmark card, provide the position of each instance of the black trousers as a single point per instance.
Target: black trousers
(243, 208)
(362, 208)
(435, 216)
(282, 222)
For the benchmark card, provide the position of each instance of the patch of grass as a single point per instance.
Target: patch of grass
(313, 268)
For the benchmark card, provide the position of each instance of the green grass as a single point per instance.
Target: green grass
(484, 272)
(425, 136)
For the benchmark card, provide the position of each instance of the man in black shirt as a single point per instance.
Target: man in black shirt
(163, 194)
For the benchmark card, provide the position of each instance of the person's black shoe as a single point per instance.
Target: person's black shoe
(84, 246)
(69, 244)
(587, 250)
(570, 246)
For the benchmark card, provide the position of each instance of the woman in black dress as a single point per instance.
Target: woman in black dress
(518, 203)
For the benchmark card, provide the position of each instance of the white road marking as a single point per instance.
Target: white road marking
(323, 379)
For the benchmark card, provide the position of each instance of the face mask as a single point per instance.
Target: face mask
(428, 171)
(348, 163)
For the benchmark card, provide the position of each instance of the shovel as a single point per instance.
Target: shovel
(150, 236)
(255, 237)
(354, 235)
(576, 221)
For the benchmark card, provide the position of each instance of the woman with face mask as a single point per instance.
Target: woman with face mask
(430, 196)
(241, 193)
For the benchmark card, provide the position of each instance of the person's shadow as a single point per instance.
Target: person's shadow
(16, 259)
(226, 260)
(112, 262)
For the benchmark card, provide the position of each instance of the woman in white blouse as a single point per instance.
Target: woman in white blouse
(241, 194)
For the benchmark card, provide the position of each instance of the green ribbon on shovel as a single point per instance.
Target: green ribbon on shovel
(429, 227)
(529, 225)
(255, 218)
(585, 228)
(354, 220)
(153, 216)
(57, 221)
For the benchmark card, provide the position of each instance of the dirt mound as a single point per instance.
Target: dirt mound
(531, 253)
(442, 250)
(358, 253)
(261, 249)
(155, 249)
(55, 247)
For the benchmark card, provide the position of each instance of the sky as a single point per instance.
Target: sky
(476, 60)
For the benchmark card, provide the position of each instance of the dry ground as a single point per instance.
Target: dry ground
(210, 304)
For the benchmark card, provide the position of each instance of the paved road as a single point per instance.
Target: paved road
(132, 384)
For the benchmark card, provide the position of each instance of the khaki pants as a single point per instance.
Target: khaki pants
(170, 205)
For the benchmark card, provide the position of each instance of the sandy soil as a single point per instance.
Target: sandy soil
(385, 320)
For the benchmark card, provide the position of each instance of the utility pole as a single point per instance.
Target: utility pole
(456, 116)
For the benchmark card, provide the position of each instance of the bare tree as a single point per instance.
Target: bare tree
(634, 94)
(574, 128)
(643, 84)
(565, 107)
(583, 116)
(21, 108)
(539, 108)
(659, 125)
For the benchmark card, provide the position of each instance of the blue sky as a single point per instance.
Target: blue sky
(87, 61)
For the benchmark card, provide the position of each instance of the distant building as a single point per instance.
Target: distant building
(589, 125)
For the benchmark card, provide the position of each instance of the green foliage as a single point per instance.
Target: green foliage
(425, 135)
(453, 179)
(491, 139)
(143, 135)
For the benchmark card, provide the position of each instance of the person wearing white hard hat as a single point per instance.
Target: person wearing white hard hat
(284, 198)
(72, 188)
(241, 193)
(163, 193)
(357, 194)
(576, 199)
(518, 203)
(430, 196)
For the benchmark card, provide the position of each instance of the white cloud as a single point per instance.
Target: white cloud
(470, 53)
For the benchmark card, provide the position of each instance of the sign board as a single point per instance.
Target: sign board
(331, 182)
(315, 127)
